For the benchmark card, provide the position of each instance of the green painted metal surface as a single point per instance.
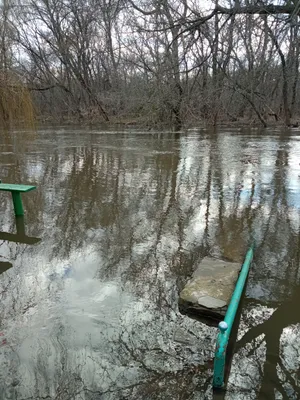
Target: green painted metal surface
(16, 188)
(226, 325)
(18, 205)
(16, 191)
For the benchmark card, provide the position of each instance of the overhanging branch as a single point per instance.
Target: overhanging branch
(260, 9)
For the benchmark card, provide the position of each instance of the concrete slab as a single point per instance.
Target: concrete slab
(207, 295)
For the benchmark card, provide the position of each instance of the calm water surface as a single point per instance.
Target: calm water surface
(90, 311)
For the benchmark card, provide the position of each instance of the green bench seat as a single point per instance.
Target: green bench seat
(16, 191)
(11, 187)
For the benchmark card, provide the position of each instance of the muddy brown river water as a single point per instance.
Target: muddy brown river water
(89, 311)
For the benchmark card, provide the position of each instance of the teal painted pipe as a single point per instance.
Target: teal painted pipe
(226, 325)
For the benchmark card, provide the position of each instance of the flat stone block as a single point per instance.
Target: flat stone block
(207, 295)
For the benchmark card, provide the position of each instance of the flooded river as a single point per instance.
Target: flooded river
(118, 223)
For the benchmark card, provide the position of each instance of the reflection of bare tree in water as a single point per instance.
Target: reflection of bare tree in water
(166, 378)
(139, 212)
(98, 192)
(277, 267)
(284, 316)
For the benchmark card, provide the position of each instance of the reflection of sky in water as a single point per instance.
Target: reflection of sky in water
(293, 175)
(125, 220)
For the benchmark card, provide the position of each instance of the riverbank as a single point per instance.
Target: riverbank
(143, 123)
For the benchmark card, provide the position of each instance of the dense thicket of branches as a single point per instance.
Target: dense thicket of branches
(160, 61)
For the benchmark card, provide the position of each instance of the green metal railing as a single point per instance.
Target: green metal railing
(226, 325)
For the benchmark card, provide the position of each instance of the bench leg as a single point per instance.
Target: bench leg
(18, 206)
(20, 224)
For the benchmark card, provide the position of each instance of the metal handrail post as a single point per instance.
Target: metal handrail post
(226, 325)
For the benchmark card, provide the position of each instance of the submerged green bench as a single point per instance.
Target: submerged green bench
(16, 191)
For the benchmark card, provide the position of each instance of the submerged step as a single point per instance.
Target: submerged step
(207, 295)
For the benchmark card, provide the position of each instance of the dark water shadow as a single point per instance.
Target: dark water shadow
(20, 236)
(284, 316)
(4, 266)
